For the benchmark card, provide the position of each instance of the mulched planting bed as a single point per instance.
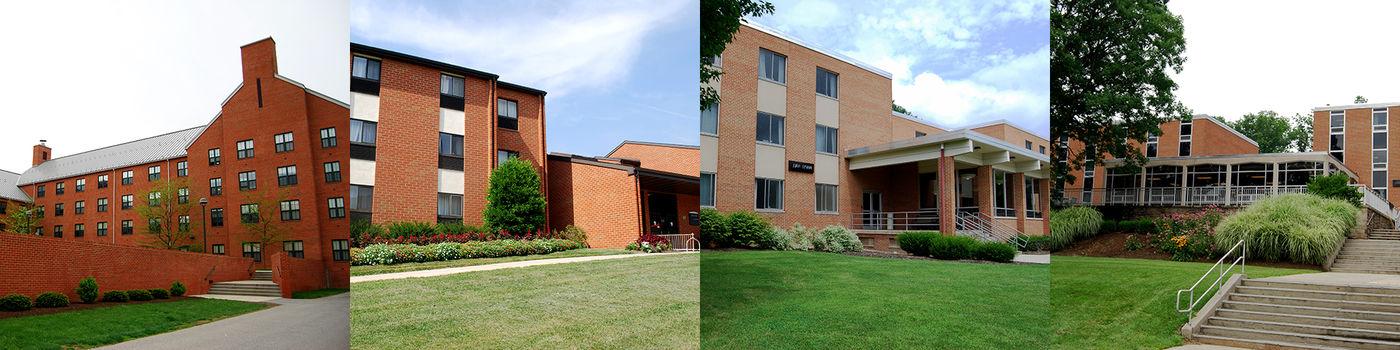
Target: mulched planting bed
(78, 305)
(1114, 245)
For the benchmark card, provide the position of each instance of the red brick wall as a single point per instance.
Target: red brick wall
(1207, 139)
(34, 265)
(405, 184)
(602, 201)
(678, 160)
(297, 275)
(113, 193)
(1357, 144)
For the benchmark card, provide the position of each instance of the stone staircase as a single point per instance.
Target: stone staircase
(261, 285)
(1259, 314)
(1378, 255)
(1384, 234)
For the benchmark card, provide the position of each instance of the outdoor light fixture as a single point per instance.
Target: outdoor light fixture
(203, 221)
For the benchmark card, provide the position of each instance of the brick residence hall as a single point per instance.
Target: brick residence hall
(805, 135)
(425, 136)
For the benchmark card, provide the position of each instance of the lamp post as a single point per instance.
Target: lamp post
(203, 221)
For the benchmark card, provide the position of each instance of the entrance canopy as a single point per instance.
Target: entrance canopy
(965, 146)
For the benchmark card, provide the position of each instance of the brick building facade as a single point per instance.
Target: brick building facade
(1358, 135)
(639, 187)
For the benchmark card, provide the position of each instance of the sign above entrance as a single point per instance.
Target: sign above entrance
(800, 166)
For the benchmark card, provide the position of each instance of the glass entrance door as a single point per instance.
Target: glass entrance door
(661, 214)
(871, 204)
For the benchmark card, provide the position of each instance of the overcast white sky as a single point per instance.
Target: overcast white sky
(1246, 56)
(90, 75)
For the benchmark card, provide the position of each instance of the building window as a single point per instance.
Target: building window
(216, 217)
(332, 171)
(361, 198)
(79, 207)
(252, 250)
(39, 191)
(58, 188)
(453, 86)
(337, 207)
(1088, 182)
(58, 209)
(365, 68)
(768, 194)
(362, 132)
(291, 210)
(1151, 145)
(1042, 149)
(504, 155)
(770, 129)
(127, 200)
(293, 249)
(153, 173)
(182, 168)
(216, 186)
(182, 195)
(152, 225)
(449, 206)
(281, 142)
(1184, 147)
(328, 138)
(707, 189)
(826, 139)
(1032, 198)
(102, 228)
(826, 198)
(287, 175)
(1002, 194)
(245, 149)
(450, 145)
(102, 205)
(709, 120)
(1336, 134)
(340, 249)
(127, 177)
(826, 83)
(217, 249)
(127, 229)
(1380, 129)
(184, 221)
(248, 213)
(153, 199)
(507, 114)
(78, 230)
(247, 180)
(1028, 145)
(58, 231)
(920, 134)
(214, 156)
(101, 181)
(772, 66)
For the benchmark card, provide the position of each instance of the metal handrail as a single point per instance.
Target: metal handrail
(990, 228)
(919, 220)
(683, 242)
(1221, 275)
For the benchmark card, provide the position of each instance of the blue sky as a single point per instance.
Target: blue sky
(614, 71)
(954, 62)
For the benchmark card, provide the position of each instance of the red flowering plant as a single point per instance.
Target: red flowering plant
(1188, 236)
(650, 243)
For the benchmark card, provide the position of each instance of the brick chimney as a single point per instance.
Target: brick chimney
(41, 153)
(259, 60)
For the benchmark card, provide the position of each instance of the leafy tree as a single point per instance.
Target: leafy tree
(514, 203)
(897, 108)
(1335, 186)
(719, 20)
(1359, 99)
(1271, 131)
(162, 210)
(265, 225)
(1110, 67)
(23, 218)
(1302, 133)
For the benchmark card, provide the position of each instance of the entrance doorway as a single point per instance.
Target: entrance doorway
(871, 205)
(661, 214)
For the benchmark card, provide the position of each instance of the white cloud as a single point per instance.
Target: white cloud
(562, 48)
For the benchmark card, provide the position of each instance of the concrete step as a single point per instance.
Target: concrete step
(1369, 271)
(1320, 287)
(1294, 310)
(1256, 344)
(249, 287)
(1320, 294)
(1318, 321)
(1296, 328)
(1306, 340)
(262, 275)
(1312, 302)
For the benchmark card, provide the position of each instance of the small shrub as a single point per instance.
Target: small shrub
(714, 229)
(1335, 186)
(1109, 226)
(1132, 244)
(748, 230)
(917, 243)
(410, 229)
(114, 296)
(837, 239)
(51, 299)
(1072, 224)
(138, 295)
(87, 290)
(177, 289)
(994, 251)
(574, 233)
(362, 231)
(159, 293)
(952, 247)
(1301, 228)
(779, 239)
(514, 203)
(1036, 243)
(15, 302)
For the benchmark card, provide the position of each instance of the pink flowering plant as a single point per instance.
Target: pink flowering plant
(650, 243)
(1187, 236)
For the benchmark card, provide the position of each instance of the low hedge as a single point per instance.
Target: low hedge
(138, 295)
(115, 296)
(389, 254)
(748, 230)
(1036, 243)
(51, 299)
(714, 228)
(1072, 224)
(15, 302)
(159, 293)
(917, 242)
(1301, 228)
(952, 247)
(936, 245)
(177, 289)
(994, 251)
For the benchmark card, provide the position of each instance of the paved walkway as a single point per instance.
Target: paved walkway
(1032, 258)
(497, 266)
(294, 324)
(1203, 347)
(1340, 278)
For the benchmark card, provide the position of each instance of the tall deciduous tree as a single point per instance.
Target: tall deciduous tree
(264, 225)
(1271, 131)
(514, 203)
(23, 218)
(1110, 67)
(1359, 99)
(719, 20)
(897, 108)
(163, 208)
(1302, 132)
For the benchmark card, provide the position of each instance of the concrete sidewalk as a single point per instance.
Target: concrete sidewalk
(498, 266)
(293, 324)
(1032, 258)
(1340, 278)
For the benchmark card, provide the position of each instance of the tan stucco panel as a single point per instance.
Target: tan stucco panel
(827, 169)
(364, 106)
(772, 98)
(709, 153)
(770, 161)
(828, 112)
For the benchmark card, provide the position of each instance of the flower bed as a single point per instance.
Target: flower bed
(649, 243)
(389, 254)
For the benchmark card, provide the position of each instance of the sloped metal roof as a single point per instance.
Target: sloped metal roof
(150, 149)
(9, 187)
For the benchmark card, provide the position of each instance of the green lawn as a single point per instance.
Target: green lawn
(115, 324)
(805, 300)
(636, 303)
(319, 293)
(378, 269)
(1113, 303)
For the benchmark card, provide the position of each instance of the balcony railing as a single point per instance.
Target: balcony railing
(918, 220)
(1174, 196)
(684, 242)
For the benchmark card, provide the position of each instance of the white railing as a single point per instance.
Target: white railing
(684, 242)
(1220, 273)
(1175, 196)
(979, 225)
(919, 220)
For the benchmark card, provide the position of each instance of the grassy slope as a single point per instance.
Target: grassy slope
(798, 300)
(643, 302)
(378, 269)
(1111, 303)
(110, 325)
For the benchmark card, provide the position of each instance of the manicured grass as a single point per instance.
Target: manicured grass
(378, 269)
(806, 300)
(650, 302)
(319, 293)
(1113, 303)
(110, 325)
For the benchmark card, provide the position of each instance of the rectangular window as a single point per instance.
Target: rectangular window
(153, 199)
(216, 217)
(507, 114)
(709, 120)
(58, 231)
(184, 221)
(287, 175)
(215, 157)
(826, 139)
(450, 145)
(248, 213)
(247, 180)
(127, 177)
(182, 195)
(39, 191)
(768, 194)
(127, 228)
(1184, 147)
(58, 209)
(182, 168)
(1002, 194)
(365, 68)
(102, 205)
(1151, 146)
(153, 173)
(78, 230)
(770, 129)
(79, 207)
(252, 250)
(336, 207)
(216, 186)
(245, 149)
(1042, 149)
(332, 170)
(1336, 140)
(1028, 144)
(217, 249)
(449, 206)
(291, 210)
(826, 83)
(1380, 129)
(328, 138)
(453, 85)
(920, 134)
(826, 198)
(361, 198)
(101, 181)
(363, 132)
(102, 228)
(127, 200)
(58, 188)
(772, 66)
(282, 142)
(293, 249)
(340, 249)
(504, 155)
(1033, 198)
(707, 189)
